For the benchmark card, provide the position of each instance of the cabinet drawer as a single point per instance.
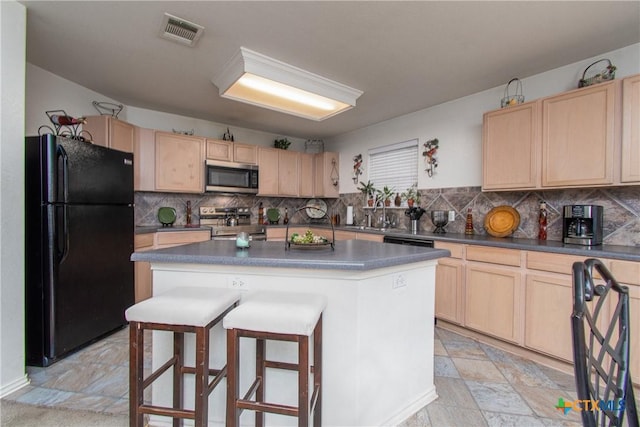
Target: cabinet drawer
(494, 255)
(457, 251)
(626, 272)
(143, 240)
(554, 263)
(181, 237)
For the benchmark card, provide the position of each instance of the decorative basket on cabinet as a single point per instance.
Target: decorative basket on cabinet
(604, 71)
(516, 98)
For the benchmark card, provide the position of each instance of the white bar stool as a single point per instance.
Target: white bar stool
(276, 316)
(180, 310)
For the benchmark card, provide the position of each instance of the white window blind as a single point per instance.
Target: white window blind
(395, 165)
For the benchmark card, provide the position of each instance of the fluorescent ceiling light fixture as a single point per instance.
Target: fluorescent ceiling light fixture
(256, 79)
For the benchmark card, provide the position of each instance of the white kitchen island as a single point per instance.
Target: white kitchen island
(378, 326)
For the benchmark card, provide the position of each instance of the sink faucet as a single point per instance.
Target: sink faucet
(385, 222)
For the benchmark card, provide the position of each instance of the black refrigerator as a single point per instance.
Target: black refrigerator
(79, 230)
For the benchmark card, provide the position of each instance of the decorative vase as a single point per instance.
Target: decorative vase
(398, 200)
(370, 202)
(410, 202)
(387, 202)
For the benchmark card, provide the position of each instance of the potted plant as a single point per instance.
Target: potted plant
(368, 190)
(283, 143)
(385, 195)
(411, 195)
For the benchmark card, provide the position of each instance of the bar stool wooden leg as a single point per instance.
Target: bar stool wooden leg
(303, 381)
(260, 376)
(136, 359)
(178, 382)
(233, 374)
(202, 377)
(316, 399)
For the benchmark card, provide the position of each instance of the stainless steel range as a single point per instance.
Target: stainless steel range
(226, 223)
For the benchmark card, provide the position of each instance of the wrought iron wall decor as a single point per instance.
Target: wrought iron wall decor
(429, 153)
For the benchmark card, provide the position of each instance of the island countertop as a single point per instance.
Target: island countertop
(347, 255)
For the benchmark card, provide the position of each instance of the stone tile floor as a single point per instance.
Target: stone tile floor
(477, 385)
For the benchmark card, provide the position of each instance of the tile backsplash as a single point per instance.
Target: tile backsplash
(621, 208)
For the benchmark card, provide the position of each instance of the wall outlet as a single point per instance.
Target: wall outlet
(398, 281)
(452, 216)
(237, 283)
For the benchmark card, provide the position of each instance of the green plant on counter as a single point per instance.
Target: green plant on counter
(411, 195)
(283, 143)
(369, 191)
(385, 195)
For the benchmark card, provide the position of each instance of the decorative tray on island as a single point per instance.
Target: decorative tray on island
(308, 240)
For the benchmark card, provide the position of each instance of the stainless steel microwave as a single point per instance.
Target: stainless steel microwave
(230, 177)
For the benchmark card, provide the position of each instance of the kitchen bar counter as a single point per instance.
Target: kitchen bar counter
(378, 327)
(348, 255)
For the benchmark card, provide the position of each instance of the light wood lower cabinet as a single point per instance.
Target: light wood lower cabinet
(493, 296)
(142, 270)
(370, 237)
(164, 239)
(449, 303)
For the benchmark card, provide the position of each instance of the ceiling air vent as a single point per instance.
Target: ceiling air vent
(181, 30)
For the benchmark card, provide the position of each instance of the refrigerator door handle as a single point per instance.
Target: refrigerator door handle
(65, 173)
(61, 231)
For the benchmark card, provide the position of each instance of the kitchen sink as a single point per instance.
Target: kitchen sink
(362, 227)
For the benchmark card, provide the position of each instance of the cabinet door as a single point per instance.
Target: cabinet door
(306, 175)
(219, 150)
(548, 307)
(631, 129)
(267, 171)
(167, 239)
(110, 132)
(121, 135)
(449, 297)
(510, 148)
(144, 164)
(327, 166)
(288, 173)
(578, 136)
(628, 274)
(142, 270)
(370, 237)
(179, 163)
(245, 153)
(492, 300)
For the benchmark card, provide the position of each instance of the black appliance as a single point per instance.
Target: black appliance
(406, 240)
(79, 229)
(582, 225)
(230, 177)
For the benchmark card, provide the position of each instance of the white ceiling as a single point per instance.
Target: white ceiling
(405, 56)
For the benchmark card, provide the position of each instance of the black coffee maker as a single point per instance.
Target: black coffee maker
(582, 225)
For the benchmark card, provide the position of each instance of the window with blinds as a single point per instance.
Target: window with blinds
(395, 165)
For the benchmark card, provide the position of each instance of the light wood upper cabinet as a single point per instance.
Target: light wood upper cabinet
(306, 175)
(219, 150)
(179, 163)
(144, 165)
(630, 169)
(110, 132)
(229, 151)
(579, 131)
(288, 165)
(511, 147)
(327, 165)
(268, 171)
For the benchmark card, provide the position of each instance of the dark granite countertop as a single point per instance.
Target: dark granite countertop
(146, 229)
(348, 255)
(629, 253)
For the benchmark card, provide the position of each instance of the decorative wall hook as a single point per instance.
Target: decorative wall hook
(429, 153)
(357, 167)
(335, 178)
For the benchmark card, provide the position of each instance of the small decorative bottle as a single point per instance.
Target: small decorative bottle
(260, 214)
(542, 222)
(286, 216)
(468, 226)
(398, 200)
(188, 213)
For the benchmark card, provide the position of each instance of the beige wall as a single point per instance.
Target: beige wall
(12, 81)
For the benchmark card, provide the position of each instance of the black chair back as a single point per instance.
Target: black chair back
(600, 327)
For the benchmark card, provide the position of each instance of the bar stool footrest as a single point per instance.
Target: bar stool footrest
(273, 408)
